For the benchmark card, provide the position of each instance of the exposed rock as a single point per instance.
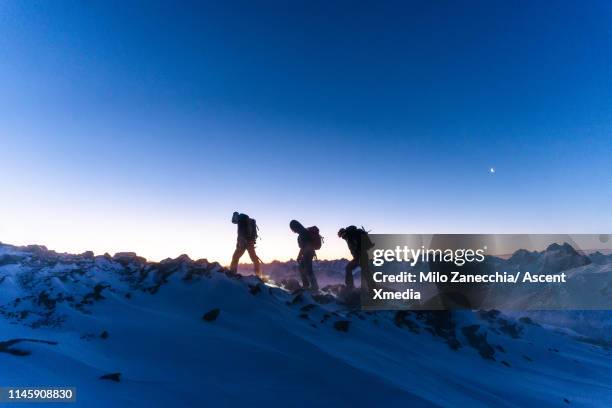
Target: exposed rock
(10, 259)
(125, 258)
(308, 307)
(7, 346)
(440, 323)
(116, 377)
(479, 341)
(401, 320)
(350, 297)
(342, 325)
(335, 289)
(97, 293)
(298, 298)
(211, 315)
(528, 320)
(87, 254)
(290, 284)
(323, 298)
(504, 326)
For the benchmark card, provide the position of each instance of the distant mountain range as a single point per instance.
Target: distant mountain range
(554, 259)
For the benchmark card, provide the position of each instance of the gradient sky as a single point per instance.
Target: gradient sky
(143, 126)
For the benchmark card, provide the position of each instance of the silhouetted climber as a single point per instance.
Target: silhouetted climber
(353, 237)
(309, 240)
(247, 235)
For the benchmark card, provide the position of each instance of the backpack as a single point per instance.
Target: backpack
(251, 230)
(315, 238)
(357, 236)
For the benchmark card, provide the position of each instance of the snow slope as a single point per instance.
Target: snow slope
(266, 346)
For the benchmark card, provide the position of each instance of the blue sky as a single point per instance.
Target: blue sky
(142, 126)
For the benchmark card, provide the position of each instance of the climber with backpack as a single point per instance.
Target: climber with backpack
(309, 241)
(247, 236)
(354, 238)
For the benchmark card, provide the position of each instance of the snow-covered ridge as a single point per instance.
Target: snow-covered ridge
(127, 332)
(38, 286)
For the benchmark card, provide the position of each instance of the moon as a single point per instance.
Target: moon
(492, 170)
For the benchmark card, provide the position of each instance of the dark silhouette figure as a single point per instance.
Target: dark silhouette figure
(354, 238)
(309, 241)
(247, 235)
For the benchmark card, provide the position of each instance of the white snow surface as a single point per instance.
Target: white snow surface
(267, 346)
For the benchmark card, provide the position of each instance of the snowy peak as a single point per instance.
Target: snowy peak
(600, 259)
(565, 249)
(523, 256)
(554, 259)
(558, 258)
